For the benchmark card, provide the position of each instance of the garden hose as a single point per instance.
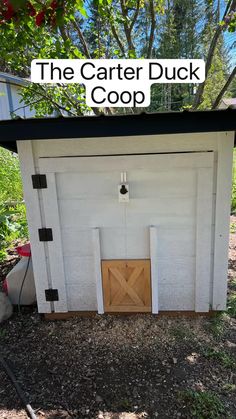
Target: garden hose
(20, 393)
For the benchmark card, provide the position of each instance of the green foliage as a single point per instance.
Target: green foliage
(229, 387)
(13, 226)
(181, 333)
(203, 405)
(232, 228)
(217, 325)
(108, 29)
(232, 283)
(221, 356)
(13, 223)
(10, 179)
(231, 309)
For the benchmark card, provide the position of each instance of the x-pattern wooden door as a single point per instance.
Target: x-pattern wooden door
(126, 285)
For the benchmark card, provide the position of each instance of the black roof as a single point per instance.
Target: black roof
(116, 125)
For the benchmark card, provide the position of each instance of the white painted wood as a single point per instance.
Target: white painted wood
(222, 219)
(126, 145)
(80, 270)
(179, 298)
(52, 220)
(88, 213)
(81, 297)
(169, 184)
(163, 191)
(154, 267)
(34, 219)
(80, 282)
(163, 162)
(203, 238)
(179, 271)
(97, 268)
(177, 241)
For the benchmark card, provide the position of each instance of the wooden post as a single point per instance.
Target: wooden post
(222, 219)
(154, 268)
(34, 218)
(56, 260)
(204, 237)
(97, 269)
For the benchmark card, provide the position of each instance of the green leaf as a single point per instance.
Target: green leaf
(77, 53)
(132, 53)
(80, 7)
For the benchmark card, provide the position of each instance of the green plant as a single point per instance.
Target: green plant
(221, 356)
(217, 325)
(232, 227)
(231, 309)
(182, 333)
(229, 387)
(232, 284)
(203, 405)
(13, 225)
(10, 178)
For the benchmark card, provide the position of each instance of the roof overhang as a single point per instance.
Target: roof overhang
(14, 80)
(116, 126)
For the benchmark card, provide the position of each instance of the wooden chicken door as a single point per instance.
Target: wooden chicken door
(126, 285)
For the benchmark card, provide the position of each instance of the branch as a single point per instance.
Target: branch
(59, 107)
(198, 98)
(63, 33)
(115, 34)
(126, 27)
(224, 89)
(135, 15)
(152, 30)
(82, 39)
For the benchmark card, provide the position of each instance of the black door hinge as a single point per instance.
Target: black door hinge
(45, 235)
(51, 295)
(39, 181)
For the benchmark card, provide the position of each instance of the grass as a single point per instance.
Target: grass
(221, 356)
(182, 333)
(233, 284)
(203, 405)
(231, 309)
(229, 387)
(217, 325)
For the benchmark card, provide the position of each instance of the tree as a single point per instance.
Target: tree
(105, 29)
(229, 21)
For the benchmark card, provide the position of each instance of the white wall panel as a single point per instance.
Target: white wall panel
(163, 193)
(122, 145)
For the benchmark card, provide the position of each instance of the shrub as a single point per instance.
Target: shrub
(13, 224)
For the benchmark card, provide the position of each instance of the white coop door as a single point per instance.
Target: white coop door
(172, 192)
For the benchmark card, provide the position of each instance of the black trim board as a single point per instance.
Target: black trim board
(116, 125)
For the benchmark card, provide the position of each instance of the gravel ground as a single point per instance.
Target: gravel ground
(119, 367)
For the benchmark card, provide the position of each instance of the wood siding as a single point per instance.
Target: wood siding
(182, 211)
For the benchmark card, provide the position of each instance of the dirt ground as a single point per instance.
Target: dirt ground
(122, 367)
